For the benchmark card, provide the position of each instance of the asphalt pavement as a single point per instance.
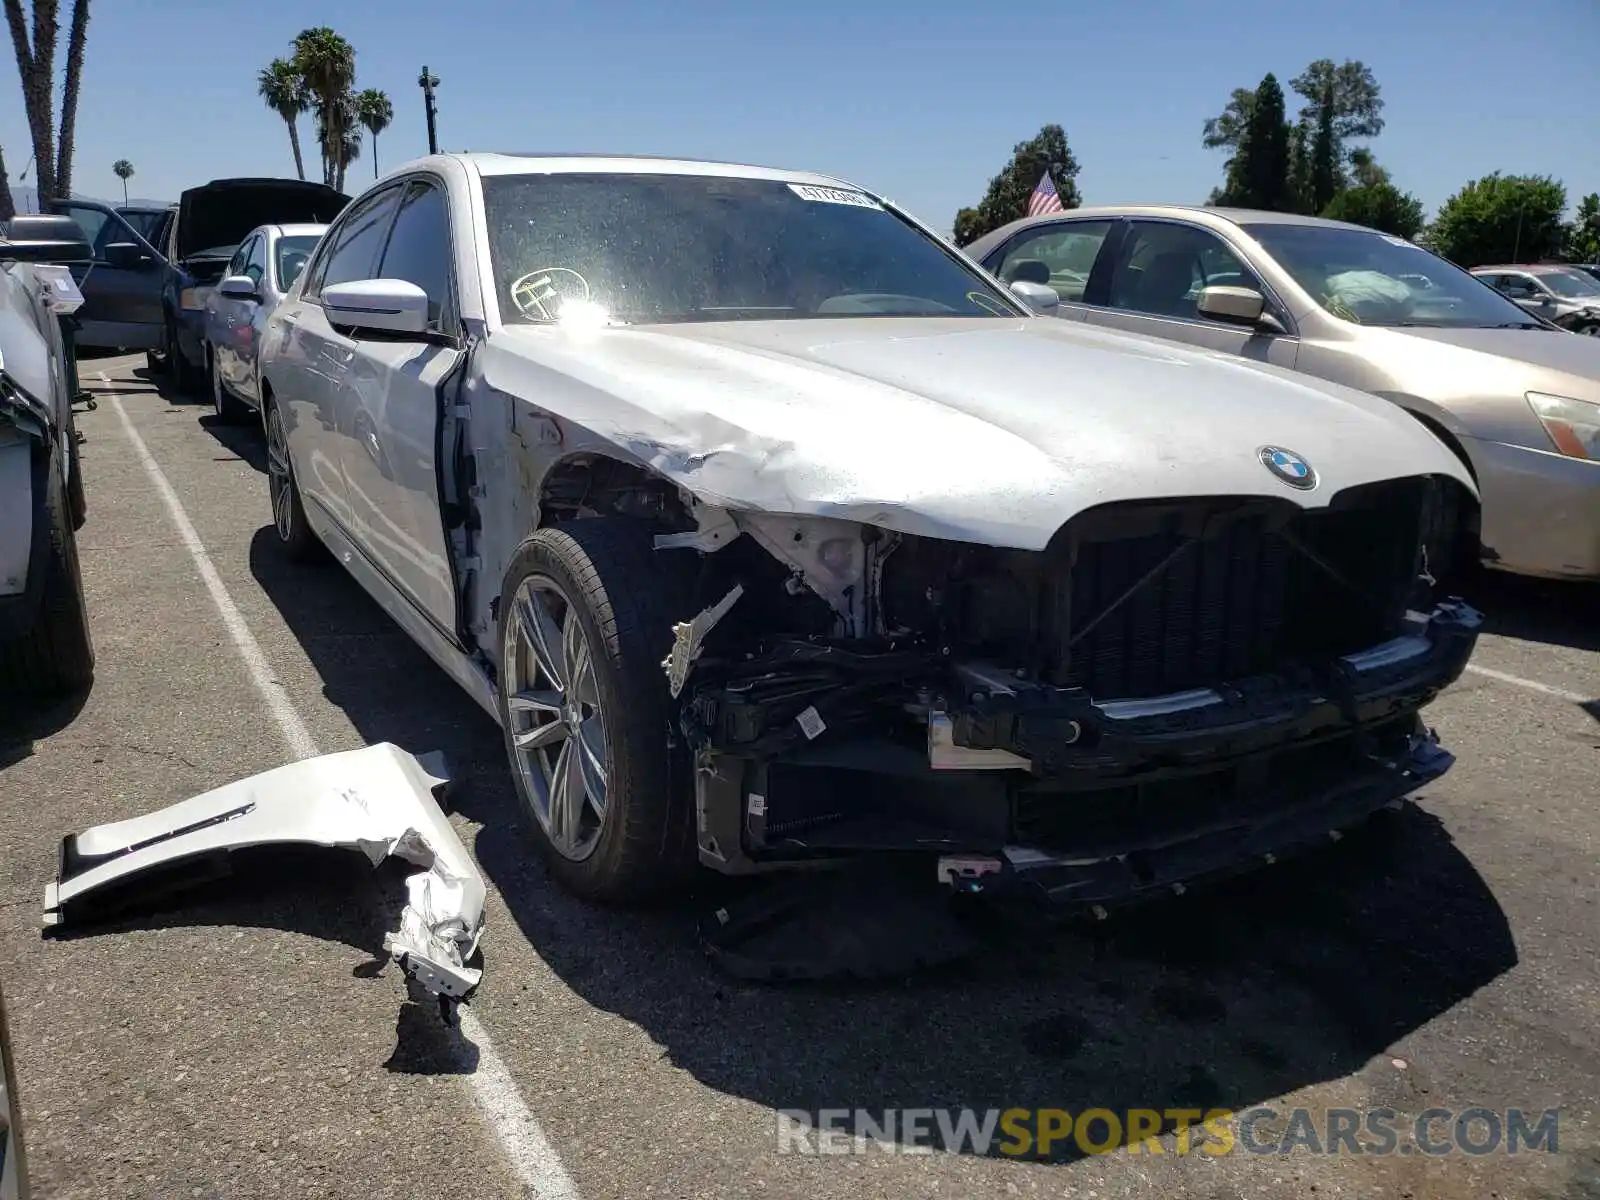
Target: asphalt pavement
(248, 1039)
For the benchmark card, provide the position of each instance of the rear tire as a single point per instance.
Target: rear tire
(288, 513)
(604, 575)
(56, 654)
(181, 374)
(230, 410)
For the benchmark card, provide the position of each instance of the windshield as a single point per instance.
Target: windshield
(656, 248)
(1370, 278)
(1569, 283)
(293, 251)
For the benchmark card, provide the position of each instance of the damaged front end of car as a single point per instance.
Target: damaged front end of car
(1170, 691)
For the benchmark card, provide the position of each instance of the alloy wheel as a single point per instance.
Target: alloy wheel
(557, 730)
(280, 476)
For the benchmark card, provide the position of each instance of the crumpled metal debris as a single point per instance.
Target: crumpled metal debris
(379, 800)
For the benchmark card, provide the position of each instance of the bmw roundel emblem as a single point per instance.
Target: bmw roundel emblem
(1288, 466)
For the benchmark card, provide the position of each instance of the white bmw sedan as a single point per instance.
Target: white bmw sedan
(773, 530)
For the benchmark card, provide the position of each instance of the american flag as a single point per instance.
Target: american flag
(1044, 200)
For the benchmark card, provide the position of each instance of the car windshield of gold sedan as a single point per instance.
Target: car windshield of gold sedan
(643, 248)
(1370, 278)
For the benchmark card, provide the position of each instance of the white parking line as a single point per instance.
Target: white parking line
(533, 1159)
(1532, 685)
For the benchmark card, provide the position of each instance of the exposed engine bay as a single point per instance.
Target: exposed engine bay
(1170, 689)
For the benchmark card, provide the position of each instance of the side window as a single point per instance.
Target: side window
(92, 221)
(352, 252)
(1519, 286)
(240, 257)
(1163, 266)
(98, 227)
(1061, 255)
(420, 251)
(255, 264)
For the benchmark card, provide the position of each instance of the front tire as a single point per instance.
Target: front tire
(288, 513)
(586, 611)
(56, 654)
(1588, 329)
(229, 409)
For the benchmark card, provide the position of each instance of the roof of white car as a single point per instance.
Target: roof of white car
(539, 164)
(302, 230)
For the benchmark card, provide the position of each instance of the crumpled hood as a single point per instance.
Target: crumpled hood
(994, 431)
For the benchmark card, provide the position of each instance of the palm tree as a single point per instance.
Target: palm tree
(284, 91)
(342, 135)
(8, 206)
(327, 64)
(36, 60)
(349, 151)
(377, 114)
(123, 170)
(69, 97)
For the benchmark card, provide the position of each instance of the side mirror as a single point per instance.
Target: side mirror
(239, 287)
(45, 238)
(128, 256)
(1236, 306)
(378, 305)
(1040, 297)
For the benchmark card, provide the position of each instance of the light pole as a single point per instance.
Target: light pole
(427, 81)
(23, 174)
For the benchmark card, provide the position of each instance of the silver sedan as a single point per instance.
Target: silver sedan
(1517, 399)
(262, 271)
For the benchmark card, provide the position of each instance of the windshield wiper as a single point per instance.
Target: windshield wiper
(1447, 325)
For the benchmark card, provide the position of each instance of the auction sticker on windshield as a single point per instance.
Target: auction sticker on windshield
(828, 195)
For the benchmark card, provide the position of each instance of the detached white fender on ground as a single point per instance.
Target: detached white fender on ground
(379, 800)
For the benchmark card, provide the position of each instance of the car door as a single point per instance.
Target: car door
(224, 314)
(390, 403)
(247, 325)
(311, 357)
(1529, 293)
(269, 291)
(1154, 281)
(1061, 254)
(122, 290)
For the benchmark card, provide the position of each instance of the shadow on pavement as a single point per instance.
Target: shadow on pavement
(332, 895)
(23, 721)
(243, 440)
(1222, 999)
(1554, 612)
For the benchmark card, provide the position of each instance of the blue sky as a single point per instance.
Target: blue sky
(921, 102)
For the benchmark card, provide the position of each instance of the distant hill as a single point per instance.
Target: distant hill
(26, 199)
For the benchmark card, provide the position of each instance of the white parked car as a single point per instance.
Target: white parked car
(45, 645)
(261, 272)
(772, 529)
